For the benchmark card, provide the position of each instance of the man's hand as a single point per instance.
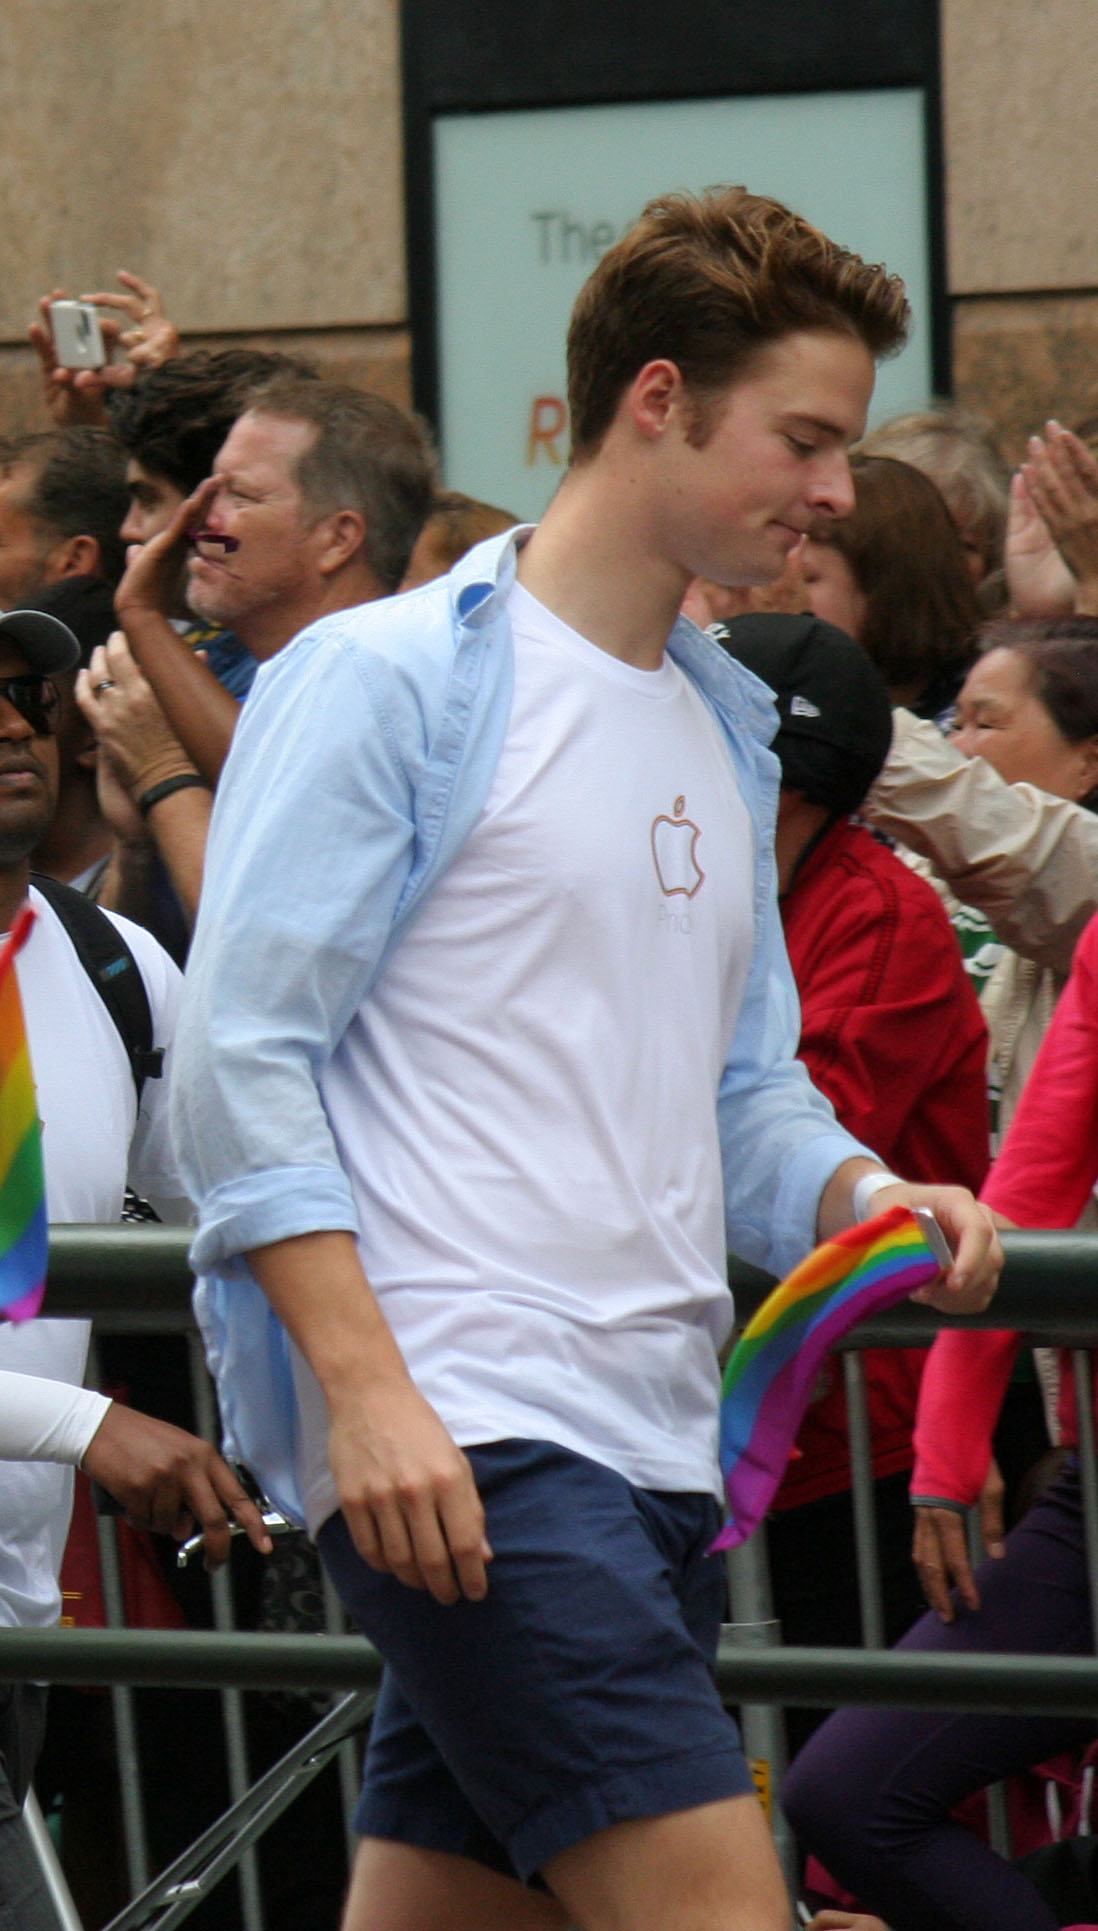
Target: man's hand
(147, 336)
(408, 1493)
(130, 728)
(969, 1228)
(151, 581)
(404, 1486)
(171, 1481)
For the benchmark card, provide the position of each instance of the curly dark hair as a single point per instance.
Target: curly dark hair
(173, 420)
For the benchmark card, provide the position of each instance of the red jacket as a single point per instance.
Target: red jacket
(1042, 1178)
(892, 1032)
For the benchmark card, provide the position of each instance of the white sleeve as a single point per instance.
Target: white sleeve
(47, 1421)
(1025, 859)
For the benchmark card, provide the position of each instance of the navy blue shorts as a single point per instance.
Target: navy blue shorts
(579, 1694)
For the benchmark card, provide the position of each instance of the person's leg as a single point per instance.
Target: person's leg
(576, 1697)
(24, 1897)
(709, 1869)
(872, 1793)
(399, 1887)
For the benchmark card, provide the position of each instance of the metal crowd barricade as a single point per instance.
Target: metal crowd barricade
(136, 1278)
(1049, 1293)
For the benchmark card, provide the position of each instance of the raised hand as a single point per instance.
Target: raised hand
(146, 335)
(1061, 481)
(1039, 582)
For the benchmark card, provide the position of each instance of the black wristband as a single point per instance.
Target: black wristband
(164, 789)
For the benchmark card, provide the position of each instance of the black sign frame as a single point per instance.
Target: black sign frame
(479, 56)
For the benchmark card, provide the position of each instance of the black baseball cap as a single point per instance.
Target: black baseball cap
(83, 604)
(47, 644)
(835, 718)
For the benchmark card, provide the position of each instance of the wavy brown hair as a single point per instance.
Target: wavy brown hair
(707, 281)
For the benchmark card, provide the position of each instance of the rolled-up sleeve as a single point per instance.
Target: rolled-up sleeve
(311, 843)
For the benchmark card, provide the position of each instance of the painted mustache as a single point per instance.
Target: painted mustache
(207, 540)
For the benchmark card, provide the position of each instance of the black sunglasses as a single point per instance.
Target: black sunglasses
(35, 699)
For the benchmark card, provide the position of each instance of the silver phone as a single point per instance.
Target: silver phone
(934, 1237)
(77, 336)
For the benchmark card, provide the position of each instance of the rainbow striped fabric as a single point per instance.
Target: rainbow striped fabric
(772, 1370)
(24, 1230)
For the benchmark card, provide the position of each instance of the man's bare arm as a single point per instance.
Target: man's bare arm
(405, 1488)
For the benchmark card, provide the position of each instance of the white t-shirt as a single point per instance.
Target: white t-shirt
(92, 1142)
(526, 1104)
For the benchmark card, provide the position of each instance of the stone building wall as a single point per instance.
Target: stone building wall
(244, 159)
(1020, 78)
(247, 161)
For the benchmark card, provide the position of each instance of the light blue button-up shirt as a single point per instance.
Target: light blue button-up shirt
(361, 763)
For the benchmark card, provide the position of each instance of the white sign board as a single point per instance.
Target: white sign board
(526, 203)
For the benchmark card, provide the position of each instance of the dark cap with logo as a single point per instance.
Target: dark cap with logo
(47, 644)
(835, 719)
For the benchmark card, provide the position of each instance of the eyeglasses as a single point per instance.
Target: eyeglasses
(35, 699)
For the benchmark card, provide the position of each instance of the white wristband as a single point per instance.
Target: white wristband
(867, 1186)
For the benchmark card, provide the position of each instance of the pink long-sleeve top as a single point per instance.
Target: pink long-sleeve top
(1042, 1178)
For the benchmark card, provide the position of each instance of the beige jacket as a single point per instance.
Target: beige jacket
(1026, 860)
(1029, 862)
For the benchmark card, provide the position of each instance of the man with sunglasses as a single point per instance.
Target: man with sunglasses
(94, 1138)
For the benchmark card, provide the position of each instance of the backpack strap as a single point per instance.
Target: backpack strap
(113, 971)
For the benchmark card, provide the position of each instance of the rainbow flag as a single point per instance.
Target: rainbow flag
(24, 1231)
(772, 1369)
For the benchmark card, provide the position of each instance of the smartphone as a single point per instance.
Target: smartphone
(934, 1237)
(77, 336)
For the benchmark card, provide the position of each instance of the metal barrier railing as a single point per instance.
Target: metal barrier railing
(136, 1279)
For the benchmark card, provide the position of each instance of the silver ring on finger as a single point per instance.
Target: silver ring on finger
(105, 684)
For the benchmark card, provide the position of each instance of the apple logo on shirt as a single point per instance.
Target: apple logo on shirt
(674, 852)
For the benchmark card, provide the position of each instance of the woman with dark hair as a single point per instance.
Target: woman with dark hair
(1029, 705)
(1029, 709)
(893, 574)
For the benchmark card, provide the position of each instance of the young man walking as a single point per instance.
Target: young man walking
(485, 1049)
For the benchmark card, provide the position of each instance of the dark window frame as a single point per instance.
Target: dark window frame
(482, 56)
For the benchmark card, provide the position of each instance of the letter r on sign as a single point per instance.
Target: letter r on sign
(548, 421)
